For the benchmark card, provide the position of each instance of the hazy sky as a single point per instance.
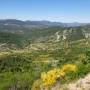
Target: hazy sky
(53, 10)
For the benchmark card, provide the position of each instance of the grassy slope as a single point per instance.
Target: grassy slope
(19, 68)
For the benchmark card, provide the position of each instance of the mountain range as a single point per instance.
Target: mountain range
(39, 23)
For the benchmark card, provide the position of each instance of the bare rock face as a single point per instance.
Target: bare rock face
(57, 86)
(81, 84)
(61, 36)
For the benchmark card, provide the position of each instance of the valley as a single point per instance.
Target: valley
(29, 49)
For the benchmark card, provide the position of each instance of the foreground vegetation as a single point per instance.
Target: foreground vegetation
(25, 70)
(39, 58)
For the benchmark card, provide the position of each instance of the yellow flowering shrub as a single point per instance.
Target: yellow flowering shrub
(69, 67)
(49, 78)
(36, 85)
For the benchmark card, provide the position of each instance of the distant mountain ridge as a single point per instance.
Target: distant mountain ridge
(39, 23)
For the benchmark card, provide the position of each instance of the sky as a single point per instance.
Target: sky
(52, 10)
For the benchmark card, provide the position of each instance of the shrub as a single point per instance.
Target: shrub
(50, 78)
(36, 85)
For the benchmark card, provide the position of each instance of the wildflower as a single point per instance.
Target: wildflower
(50, 77)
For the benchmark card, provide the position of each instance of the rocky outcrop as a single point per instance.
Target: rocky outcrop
(81, 84)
